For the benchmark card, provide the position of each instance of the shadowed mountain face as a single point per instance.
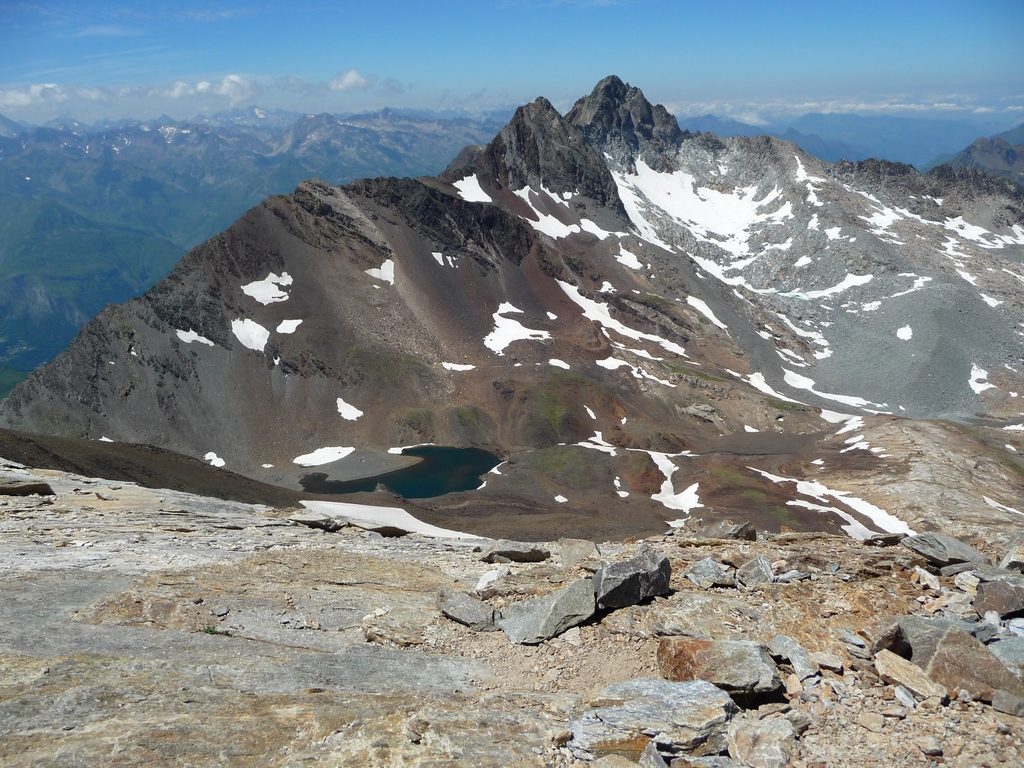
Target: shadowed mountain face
(641, 321)
(1002, 155)
(94, 215)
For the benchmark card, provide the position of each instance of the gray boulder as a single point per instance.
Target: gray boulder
(740, 666)
(466, 609)
(916, 637)
(784, 647)
(629, 582)
(709, 573)
(505, 551)
(693, 716)
(727, 529)
(1003, 597)
(942, 550)
(755, 572)
(534, 621)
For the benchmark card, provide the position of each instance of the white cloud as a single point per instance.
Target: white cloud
(236, 88)
(349, 80)
(33, 95)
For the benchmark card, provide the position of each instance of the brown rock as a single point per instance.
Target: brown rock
(873, 721)
(960, 661)
(733, 665)
(25, 488)
(1003, 597)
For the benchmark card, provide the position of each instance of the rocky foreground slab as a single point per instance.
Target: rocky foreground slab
(142, 627)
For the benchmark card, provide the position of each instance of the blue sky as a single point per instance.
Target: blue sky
(751, 60)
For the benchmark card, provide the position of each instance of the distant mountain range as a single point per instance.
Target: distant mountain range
(91, 215)
(1002, 154)
(923, 143)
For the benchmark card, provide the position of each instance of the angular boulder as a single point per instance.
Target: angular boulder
(915, 637)
(942, 550)
(467, 610)
(1010, 651)
(755, 572)
(960, 661)
(896, 670)
(534, 621)
(762, 743)
(1003, 597)
(693, 716)
(738, 666)
(727, 529)
(709, 573)
(784, 647)
(629, 582)
(505, 551)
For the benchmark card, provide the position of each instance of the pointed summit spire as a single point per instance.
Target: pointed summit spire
(617, 114)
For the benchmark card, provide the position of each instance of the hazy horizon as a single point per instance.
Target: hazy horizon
(750, 62)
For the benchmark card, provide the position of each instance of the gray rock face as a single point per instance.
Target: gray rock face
(733, 665)
(694, 716)
(534, 621)
(755, 572)
(762, 743)
(941, 550)
(709, 573)
(466, 609)
(629, 582)
(1011, 704)
(787, 648)
(727, 529)
(505, 551)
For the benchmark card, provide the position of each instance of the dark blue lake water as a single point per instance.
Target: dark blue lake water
(442, 470)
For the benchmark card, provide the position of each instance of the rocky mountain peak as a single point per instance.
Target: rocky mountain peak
(538, 147)
(618, 115)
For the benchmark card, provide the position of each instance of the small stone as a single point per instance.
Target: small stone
(467, 610)
(850, 638)
(929, 745)
(318, 520)
(905, 697)
(651, 758)
(926, 580)
(967, 582)
(873, 721)
(1013, 560)
(827, 660)
(219, 610)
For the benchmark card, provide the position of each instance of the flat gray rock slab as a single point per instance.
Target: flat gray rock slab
(762, 743)
(709, 573)
(534, 621)
(941, 550)
(694, 716)
(632, 581)
(506, 551)
(466, 609)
